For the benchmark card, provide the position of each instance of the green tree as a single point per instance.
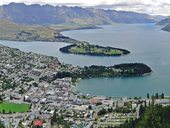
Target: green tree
(3, 111)
(156, 95)
(10, 112)
(102, 112)
(110, 110)
(162, 96)
(141, 110)
(90, 107)
(148, 95)
(1, 99)
(1, 124)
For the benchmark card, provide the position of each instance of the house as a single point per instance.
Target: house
(38, 123)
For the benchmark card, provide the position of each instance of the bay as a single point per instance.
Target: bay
(147, 43)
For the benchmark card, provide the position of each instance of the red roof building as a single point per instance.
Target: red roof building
(38, 123)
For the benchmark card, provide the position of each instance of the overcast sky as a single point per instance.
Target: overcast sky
(159, 7)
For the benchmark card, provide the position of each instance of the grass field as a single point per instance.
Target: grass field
(13, 107)
(87, 48)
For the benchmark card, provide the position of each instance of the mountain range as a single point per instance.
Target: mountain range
(166, 23)
(22, 22)
(47, 14)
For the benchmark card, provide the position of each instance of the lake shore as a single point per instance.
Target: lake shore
(143, 51)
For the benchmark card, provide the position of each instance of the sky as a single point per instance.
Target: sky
(155, 7)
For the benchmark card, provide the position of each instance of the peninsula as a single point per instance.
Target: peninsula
(120, 70)
(93, 50)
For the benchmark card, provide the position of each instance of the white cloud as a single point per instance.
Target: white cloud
(147, 6)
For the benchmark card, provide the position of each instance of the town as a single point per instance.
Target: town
(31, 95)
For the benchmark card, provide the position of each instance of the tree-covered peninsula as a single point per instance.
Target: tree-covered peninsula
(93, 50)
(120, 70)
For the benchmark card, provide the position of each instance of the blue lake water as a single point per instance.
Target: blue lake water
(147, 43)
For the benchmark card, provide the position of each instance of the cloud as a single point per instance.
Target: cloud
(155, 7)
(55, 2)
(146, 6)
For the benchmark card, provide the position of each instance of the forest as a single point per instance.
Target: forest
(153, 116)
(120, 70)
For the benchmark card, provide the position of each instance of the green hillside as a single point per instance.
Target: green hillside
(154, 116)
(22, 32)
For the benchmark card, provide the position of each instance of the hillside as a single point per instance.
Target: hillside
(24, 32)
(46, 14)
(166, 28)
(164, 22)
(154, 116)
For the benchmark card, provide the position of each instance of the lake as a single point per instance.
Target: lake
(147, 43)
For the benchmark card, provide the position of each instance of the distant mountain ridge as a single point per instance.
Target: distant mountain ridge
(166, 28)
(21, 22)
(46, 14)
(164, 22)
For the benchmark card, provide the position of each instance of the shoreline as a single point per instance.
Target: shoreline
(58, 37)
(81, 28)
(78, 79)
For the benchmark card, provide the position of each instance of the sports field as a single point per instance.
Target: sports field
(6, 107)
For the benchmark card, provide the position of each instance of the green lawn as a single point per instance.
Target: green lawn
(13, 107)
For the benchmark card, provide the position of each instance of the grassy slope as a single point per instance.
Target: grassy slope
(21, 32)
(13, 107)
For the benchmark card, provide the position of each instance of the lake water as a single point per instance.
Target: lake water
(147, 43)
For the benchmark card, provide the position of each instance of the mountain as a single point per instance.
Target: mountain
(21, 22)
(166, 28)
(45, 14)
(164, 22)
